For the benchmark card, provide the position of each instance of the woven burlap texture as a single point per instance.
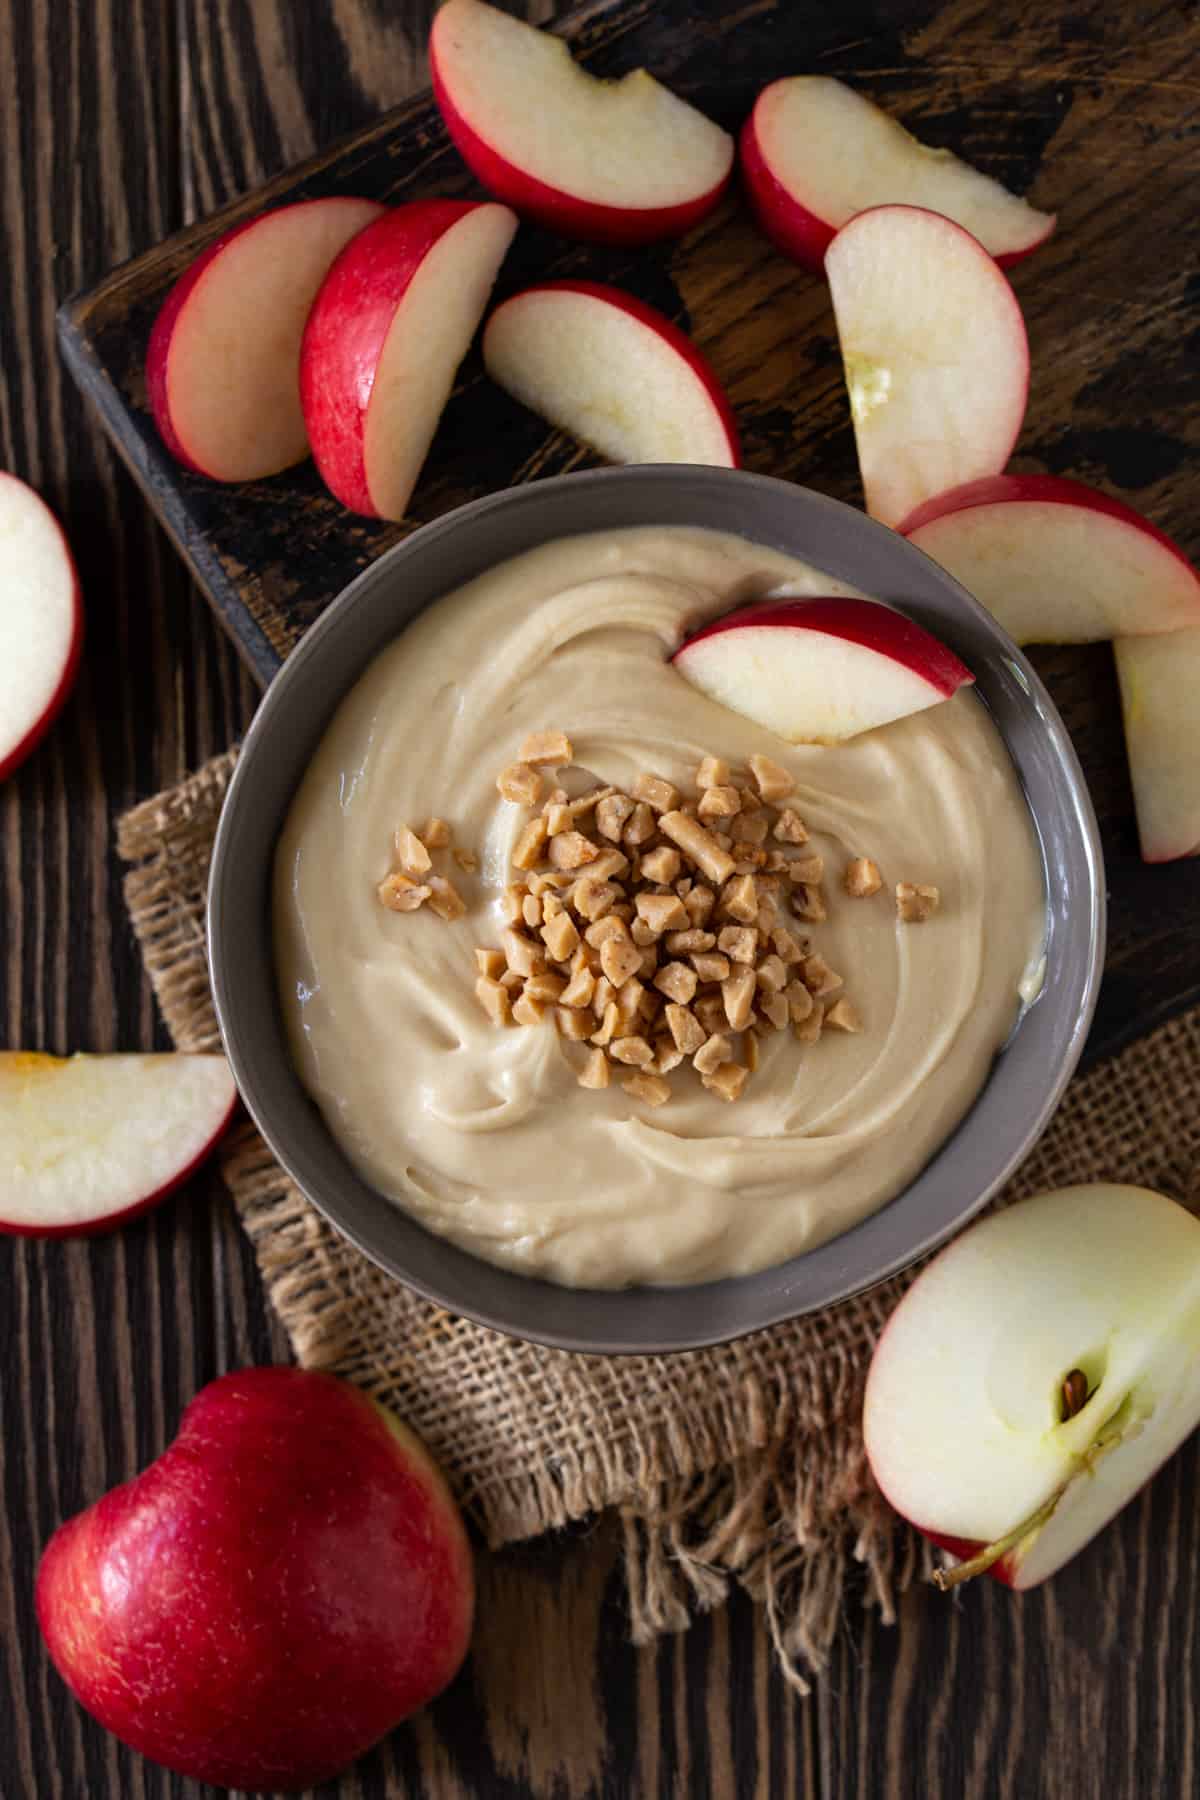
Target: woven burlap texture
(743, 1462)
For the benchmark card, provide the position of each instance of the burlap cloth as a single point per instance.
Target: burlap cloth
(743, 1462)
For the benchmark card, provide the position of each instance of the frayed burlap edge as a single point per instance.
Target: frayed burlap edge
(740, 1463)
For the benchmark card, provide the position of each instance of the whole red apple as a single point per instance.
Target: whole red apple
(287, 1582)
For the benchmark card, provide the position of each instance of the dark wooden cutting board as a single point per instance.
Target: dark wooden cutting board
(1095, 115)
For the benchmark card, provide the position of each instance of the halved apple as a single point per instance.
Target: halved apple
(87, 1142)
(223, 365)
(1057, 562)
(601, 364)
(1036, 1374)
(813, 153)
(1160, 681)
(820, 670)
(619, 162)
(41, 621)
(935, 355)
(394, 318)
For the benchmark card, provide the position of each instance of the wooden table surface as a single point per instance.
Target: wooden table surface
(120, 120)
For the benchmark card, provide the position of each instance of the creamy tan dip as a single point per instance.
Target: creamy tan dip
(483, 1133)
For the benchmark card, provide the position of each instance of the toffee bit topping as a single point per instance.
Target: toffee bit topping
(844, 1015)
(790, 828)
(494, 999)
(862, 878)
(551, 748)
(712, 772)
(916, 904)
(698, 845)
(727, 1081)
(772, 782)
(520, 783)
(411, 853)
(401, 894)
(658, 794)
(594, 1073)
(654, 928)
(571, 850)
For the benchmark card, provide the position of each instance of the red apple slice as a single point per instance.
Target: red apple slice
(1160, 679)
(1057, 562)
(1036, 1374)
(819, 671)
(223, 366)
(619, 162)
(394, 318)
(41, 621)
(814, 153)
(87, 1142)
(935, 354)
(613, 372)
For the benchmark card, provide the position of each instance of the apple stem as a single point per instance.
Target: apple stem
(1074, 1394)
(945, 1579)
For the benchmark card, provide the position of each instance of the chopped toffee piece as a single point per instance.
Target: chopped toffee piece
(400, 894)
(494, 999)
(845, 1015)
(727, 1081)
(520, 783)
(712, 772)
(773, 783)
(551, 748)
(916, 904)
(594, 1073)
(658, 794)
(412, 854)
(862, 878)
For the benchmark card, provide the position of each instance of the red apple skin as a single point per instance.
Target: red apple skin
(286, 1583)
(795, 231)
(158, 350)
(58, 699)
(862, 622)
(1052, 490)
(110, 1221)
(552, 207)
(347, 327)
(670, 333)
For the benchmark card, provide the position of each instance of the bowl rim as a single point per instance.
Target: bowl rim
(842, 1286)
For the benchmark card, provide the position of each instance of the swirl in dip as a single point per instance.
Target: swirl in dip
(483, 1133)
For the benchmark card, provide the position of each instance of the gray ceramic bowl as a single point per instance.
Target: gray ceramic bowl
(1029, 1074)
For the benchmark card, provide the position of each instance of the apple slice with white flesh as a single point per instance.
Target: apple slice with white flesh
(935, 354)
(822, 670)
(87, 1142)
(41, 621)
(223, 366)
(617, 162)
(813, 153)
(1160, 680)
(393, 320)
(1057, 562)
(1035, 1376)
(602, 365)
